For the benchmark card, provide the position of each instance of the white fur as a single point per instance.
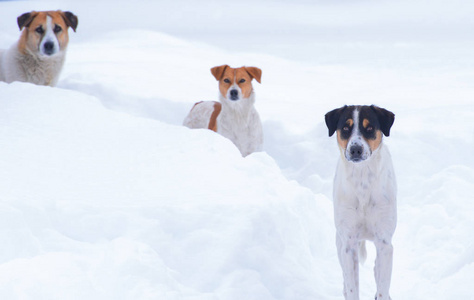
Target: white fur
(33, 66)
(365, 209)
(199, 115)
(238, 121)
(49, 36)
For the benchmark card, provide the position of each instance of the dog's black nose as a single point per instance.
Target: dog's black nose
(48, 48)
(234, 95)
(356, 152)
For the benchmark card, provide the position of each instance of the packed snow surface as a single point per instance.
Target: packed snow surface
(104, 195)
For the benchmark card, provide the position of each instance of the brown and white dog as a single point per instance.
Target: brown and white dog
(365, 191)
(235, 116)
(38, 56)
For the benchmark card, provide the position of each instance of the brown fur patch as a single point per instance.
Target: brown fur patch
(246, 87)
(213, 121)
(342, 142)
(350, 122)
(218, 71)
(226, 80)
(255, 73)
(375, 143)
(30, 39)
(365, 123)
(242, 76)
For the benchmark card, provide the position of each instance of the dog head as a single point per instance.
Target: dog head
(236, 84)
(46, 32)
(359, 129)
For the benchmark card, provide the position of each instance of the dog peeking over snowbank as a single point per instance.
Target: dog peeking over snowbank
(39, 54)
(235, 116)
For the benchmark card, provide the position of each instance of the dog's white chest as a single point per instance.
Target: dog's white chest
(365, 196)
(244, 131)
(28, 67)
(362, 182)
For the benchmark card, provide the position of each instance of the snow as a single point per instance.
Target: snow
(104, 195)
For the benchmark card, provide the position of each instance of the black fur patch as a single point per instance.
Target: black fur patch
(378, 118)
(25, 20)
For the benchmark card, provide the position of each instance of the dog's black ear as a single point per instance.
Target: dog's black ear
(25, 19)
(332, 118)
(254, 72)
(70, 19)
(218, 71)
(386, 119)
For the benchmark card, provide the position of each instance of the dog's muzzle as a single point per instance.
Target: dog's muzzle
(48, 48)
(357, 150)
(355, 153)
(234, 95)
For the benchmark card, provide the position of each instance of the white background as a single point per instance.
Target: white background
(104, 195)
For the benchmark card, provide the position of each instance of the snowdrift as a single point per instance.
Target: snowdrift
(101, 204)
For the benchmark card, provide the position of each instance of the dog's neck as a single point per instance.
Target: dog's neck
(239, 110)
(363, 174)
(38, 69)
(239, 122)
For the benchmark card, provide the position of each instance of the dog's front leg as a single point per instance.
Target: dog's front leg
(383, 267)
(348, 248)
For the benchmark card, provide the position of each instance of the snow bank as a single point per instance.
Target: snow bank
(102, 204)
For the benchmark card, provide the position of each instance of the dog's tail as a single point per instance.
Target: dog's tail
(362, 252)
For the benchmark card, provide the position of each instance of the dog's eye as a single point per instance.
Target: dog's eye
(226, 80)
(242, 80)
(40, 30)
(57, 29)
(370, 128)
(345, 128)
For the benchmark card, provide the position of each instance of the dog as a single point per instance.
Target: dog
(235, 116)
(364, 193)
(39, 54)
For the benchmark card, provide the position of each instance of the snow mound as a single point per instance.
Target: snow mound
(102, 204)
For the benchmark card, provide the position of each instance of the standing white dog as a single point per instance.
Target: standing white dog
(364, 193)
(234, 116)
(38, 56)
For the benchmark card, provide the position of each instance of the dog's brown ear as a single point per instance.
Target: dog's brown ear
(70, 19)
(332, 118)
(254, 72)
(25, 19)
(218, 71)
(386, 119)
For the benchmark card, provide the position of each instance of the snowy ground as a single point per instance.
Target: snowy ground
(103, 195)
